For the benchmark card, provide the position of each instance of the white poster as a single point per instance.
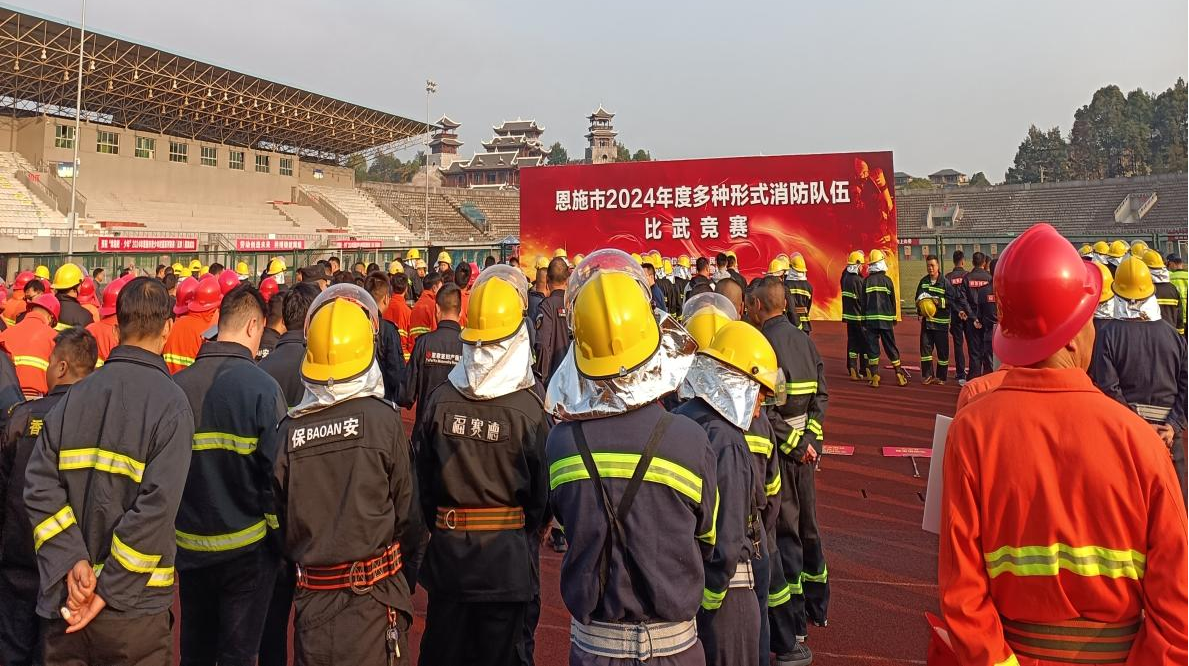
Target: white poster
(931, 522)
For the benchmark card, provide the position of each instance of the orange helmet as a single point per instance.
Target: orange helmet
(185, 293)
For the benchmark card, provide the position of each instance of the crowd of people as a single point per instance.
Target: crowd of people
(240, 438)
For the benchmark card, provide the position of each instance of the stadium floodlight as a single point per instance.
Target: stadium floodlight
(431, 87)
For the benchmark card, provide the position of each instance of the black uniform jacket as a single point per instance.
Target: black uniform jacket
(1142, 363)
(73, 314)
(24, 423)
(853, 296)
(284, 365)
(553, 335)
(980, 296)
(798, 422)
(879, 301)
(434, 355)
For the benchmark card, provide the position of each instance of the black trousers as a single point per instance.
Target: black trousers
(856, 346)
(763, 577)
(111, 638)
(20, 628)
(960, 335)
(803, 559)
(274, 642)
(472, 633)
(980, 350)
(729, 634)
(342, 628)
(224, 608)
(887, 337)
(935, 351)
(532, 613)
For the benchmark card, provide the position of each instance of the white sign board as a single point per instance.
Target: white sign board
(931, 522)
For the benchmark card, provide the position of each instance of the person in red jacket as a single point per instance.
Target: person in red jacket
(107, 336)
(1063, 533)
(424, 317)
(15, 305)
(399, 312)
(31, 341)
(186, 337)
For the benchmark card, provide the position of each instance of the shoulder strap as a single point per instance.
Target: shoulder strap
(629, 493)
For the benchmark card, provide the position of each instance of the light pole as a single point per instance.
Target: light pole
(78, 114)
(431, 87)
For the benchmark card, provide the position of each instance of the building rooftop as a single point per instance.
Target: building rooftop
(601, 114)
(518, 126)
(947, 172)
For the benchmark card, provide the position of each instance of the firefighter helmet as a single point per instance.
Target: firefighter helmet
(496, 307)
(86, 290)
(1133, 280)
(614, 327)
(23, 278)
(876, 256)
(227, 281)
(742, 347)
(1107, 280)
(444, 258)
(1118, 249)
(1102, 247)
(1138, 248)
(1086, 249)
(340, 343)
(541, 262)
(683, 261)
(1153, 260)
(206, 297)
(395, 266)
(856, 257)
(927, 307)
(798, 263)
(413, 254)
(242, 270)
(559, 252)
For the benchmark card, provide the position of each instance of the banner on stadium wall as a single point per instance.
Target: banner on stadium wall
(268, 244)
(152, 244)
(822, 206)
(359, 244)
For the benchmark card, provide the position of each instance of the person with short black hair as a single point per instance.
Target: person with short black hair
(226, 564)
(99, 275)
(551, 323)
(171, 284)
(360, 268)
(980, 296)
(73, 358)
(215, 268)
(933, 307)
(388, 352)
(701, 281)
(961, 326)
(125, 271)
(435, 352)
(162, 269)
(274, 324)
(489, 261)
(720, 267)
(733, 269)
(334, 263)
(102, 489)
(462, 279)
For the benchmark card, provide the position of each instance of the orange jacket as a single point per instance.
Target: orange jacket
(1058, 504)
(981, 385)
(105, 334)
(30, 343)
(13, 308)
(400, 314)
(186, 338)
(93, 309)
(424, 317)
(462, 315)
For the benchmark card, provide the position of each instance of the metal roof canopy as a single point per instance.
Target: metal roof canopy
(143, 88)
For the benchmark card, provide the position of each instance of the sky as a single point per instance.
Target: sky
(942, 84)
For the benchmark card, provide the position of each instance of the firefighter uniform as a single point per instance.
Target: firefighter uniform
(73, 313)
(483, 482)
(960, 329)
(1170, 303)
(935, 328)
(1029, 569)
(268, 342)
(104, 483)
(434, 354)
(423, 318)
(20, 634)
(345, 489)
(627, 586)
(14, 307)
(879, 319)
(553, 334)
(1179, 279)
(186, 338)
(399, 313)
(10, 386)
(772, 590)
(801, 300)
(284, 365)
(853, 297)
(729, 621)
(670, 291)
(29, 343)
(392, 359)
(797, 424)
(980, 294)
(227, 559)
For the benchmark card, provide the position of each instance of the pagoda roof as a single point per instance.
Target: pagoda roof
(518, 125)
(601, 113)
(446, 123)
(445, 140)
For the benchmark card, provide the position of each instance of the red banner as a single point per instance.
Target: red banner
(359, 244)
(822, 206)
(149, 244)
(268, 244)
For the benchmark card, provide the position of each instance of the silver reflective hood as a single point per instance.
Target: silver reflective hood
(729, 392)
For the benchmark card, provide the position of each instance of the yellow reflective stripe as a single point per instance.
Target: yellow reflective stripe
(780, 596)
(1081, 560)
(31, 362)
(712, 600)
(814, 427)
(419, 330)
(816, 578)
(851, 294)
(213, 543)
(795, 587)
(178, 359)
(52, 526)
(1168, 301)
(851, 317)
(98, 363)
(621, 466)
(801, 388)
(937, 320)
(878, 317)
(102, 460)
(10, 322)
(61, 327)
(773, 486)
(760, 445)
(792, 441)
(1010, 661)
(878, 289)
(208, 441)
(162, 577)
(132, 559)
(800, 292)
(271, 519)
(711, 537)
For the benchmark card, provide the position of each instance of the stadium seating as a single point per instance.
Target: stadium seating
(19, 208)
(110, 209)
(363, 215)
(447, 221)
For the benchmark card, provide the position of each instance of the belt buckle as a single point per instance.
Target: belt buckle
(451, 519)
(358, 570)
(643, 649)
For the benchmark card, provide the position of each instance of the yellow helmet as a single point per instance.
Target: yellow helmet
(559, 252)
(421, 265)
(742, 347)
(927, 307)
(704, 324)
(1152, 259)
(1107, 280)
(876, 256)
(444, 258)
(242, 270)
(798, 263)
(1102, 247)
(656, 259)
(776, 266)
(340, 343)
(1133, 280)
(1138, 248)
(541, 262)
(856, 257)
(42, 272)
(683, 261)
(68, 276)
(730, 253)
(667, 266)
(578, 258)
(614, 326)
(495, 310)
(1118, 249)
(181, 270)
(203, 270)
(395, 266)
(636, 256)
(413, 254)
(276, 266)
(195, 264)
(1086, 249)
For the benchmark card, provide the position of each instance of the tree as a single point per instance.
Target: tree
(1168, 130)
(1041, 157)
(557, 154)
(641, 155)
(359, 163)
(622, 154)
(980, 180)
(919, 184)
(1098, 140)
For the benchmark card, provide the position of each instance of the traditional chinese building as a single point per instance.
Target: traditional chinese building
(443, 148)
(600, 138)
(516, 143)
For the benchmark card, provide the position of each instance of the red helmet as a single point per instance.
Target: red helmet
(1046, 294)
(186, 289)
(23, 278)
(86, 291)
(228, 280)
(50, 303)
(46, 283)
(110, 296)
(207, 297)
(268, 288)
